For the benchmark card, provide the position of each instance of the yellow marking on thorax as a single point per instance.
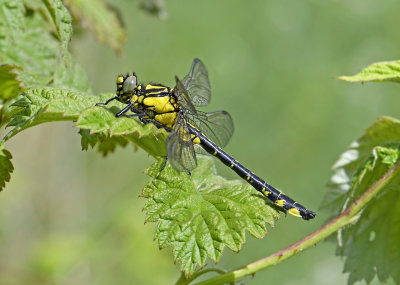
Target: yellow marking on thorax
(159, 104)
(166, 119)
(159, 87)
(120, 79)
(294, 212)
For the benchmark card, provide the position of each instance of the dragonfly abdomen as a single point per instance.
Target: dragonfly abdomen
(277, 197)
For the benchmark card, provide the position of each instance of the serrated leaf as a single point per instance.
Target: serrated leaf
(102, 21)
(107, 127)
(374, 238)
(9, 85)
(62, 21)
(27, 41)
(46, 105)
(105, 144)
(384, 130)
(375, 234)
(377, 72)
(6, 167)
(198, 218)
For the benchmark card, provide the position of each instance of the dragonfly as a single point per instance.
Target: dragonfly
(174, 109)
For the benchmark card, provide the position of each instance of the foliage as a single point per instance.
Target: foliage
(374, 236)
(377, 72)
(199, 215)
(54, 88)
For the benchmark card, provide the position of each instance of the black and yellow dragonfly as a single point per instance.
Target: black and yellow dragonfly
(174, 110)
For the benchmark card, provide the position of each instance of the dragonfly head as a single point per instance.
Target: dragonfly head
(126, 87)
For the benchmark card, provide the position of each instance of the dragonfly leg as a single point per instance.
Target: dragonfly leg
(108, 101)
(124, 110)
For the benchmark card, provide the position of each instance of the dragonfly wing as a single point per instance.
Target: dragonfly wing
(183, 98)
(180, 149)
(197, 84)
(216, 126)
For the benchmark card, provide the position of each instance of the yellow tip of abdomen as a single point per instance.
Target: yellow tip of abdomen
(294, 212)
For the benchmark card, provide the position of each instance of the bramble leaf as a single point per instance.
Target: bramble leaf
(38, 106)
(110, 131)
(199, 215)
(377, 72)
(9, 85)
(383, 131)
(62, 21)
(374, 236)
(6, 167)
(104, 22)
(28, 43)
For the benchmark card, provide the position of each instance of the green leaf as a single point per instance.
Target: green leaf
(6, 167)
(62, 21)
(379, 71)
(110, 131)
(9, 85)
(383, 131)
(38, 106)
(27, 42)
(102, 21)
(199, 215)
(374, 236)
(105, 144)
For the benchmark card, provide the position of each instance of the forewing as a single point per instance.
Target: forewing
(180, 147)
(216, 126)
(184, 101)
(197, 84)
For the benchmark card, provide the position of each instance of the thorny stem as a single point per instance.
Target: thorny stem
(347, 217)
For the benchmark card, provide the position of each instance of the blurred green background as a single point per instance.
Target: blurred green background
(73, 217)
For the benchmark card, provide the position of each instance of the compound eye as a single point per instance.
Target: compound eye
(129, 84)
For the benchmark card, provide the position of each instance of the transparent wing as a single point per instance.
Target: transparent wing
(197, 84)
(182, 94)
(216, 126)
(180, 147)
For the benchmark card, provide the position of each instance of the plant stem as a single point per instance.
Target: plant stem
(347, 217)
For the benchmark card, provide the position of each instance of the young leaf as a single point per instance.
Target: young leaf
(199, 215)
(6, 166)
(379, 71)
(374, 236)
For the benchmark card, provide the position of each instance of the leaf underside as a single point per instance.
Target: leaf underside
(374, 237)
(6, 166)
(199, 215)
